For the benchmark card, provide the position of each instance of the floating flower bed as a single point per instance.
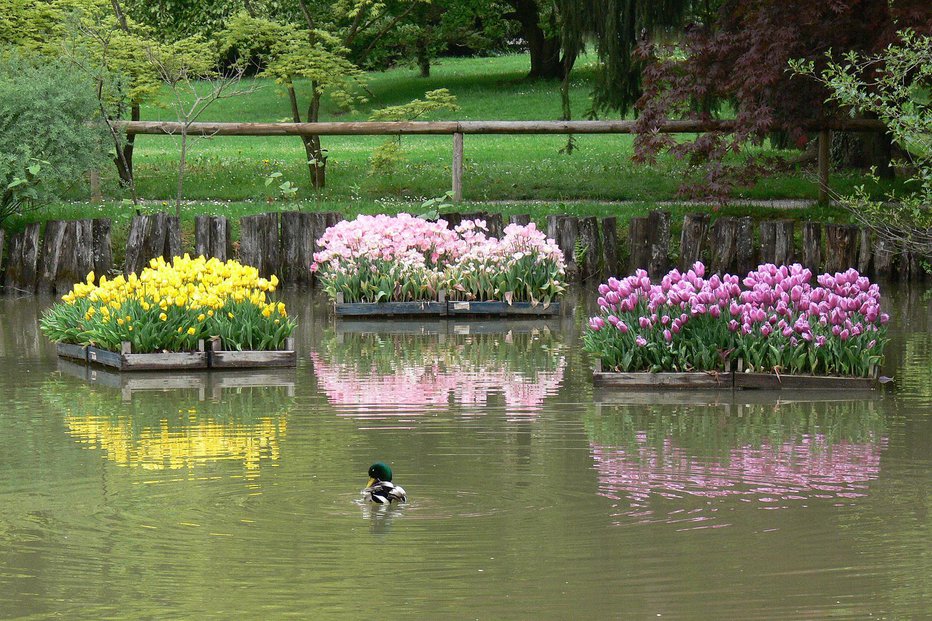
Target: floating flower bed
(405, 265)
(161, 318)
(776, 322)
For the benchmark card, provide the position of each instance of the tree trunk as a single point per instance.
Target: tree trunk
(316, 159)
(544, 51)
(423, 58)
(861, 151)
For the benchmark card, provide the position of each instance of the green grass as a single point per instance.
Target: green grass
(226, 175)
(496, 167)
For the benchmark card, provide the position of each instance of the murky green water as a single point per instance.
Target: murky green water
(532, 495)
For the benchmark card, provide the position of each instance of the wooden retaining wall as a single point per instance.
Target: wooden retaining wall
(53, 260)
(283, 243)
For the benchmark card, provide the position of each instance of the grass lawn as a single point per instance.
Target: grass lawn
(496, 167)
(227, 175)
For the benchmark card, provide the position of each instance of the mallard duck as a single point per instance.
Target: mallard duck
(380, 488)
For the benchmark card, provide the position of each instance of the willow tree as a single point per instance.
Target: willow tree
(615, 28)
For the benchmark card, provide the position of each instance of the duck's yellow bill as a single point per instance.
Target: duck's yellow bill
(371, 482)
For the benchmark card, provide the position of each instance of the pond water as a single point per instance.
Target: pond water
(532, 495)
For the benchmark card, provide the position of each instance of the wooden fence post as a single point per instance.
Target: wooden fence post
(841, 247)
(825, 143)
(103, 248)
(784, 247)
(692, 238)
(638, 244)
(812, 246)
(156, 235)
(23, 259)
(212, 238)
(297, 247)
(658, 225)
(259, 244)
(864, 252)
(590, 239)
(610, 246)
(744, 245)
(724, 232)
(457, 167)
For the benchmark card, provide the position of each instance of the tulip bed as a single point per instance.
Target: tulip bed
(775, 320)
(170, 306)
(407, 259)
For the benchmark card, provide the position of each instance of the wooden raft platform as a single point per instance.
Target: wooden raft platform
(202, 358)
(444, 308)
(727, 380)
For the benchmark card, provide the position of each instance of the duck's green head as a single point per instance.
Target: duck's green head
(379, 472)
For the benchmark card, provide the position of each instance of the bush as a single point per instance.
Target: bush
(51, 132)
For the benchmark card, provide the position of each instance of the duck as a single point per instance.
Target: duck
(380, 488)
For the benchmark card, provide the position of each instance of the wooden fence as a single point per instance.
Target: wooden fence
(459, 128)
(283, 243)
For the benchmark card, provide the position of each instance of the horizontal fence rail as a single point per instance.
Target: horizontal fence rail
(459, 128)
(393, 128)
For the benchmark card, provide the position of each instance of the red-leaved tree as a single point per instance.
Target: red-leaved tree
(740, 60)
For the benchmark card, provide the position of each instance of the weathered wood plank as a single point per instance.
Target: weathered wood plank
(589, 239)
(150, 237)
(102, 246)
(693, 238)
(502, 308)
(22, 265)
(388, 309)
(663, 381)
(865, 258)
(812, 246)
(744, 245)
(658, 232)
(724, 245)
(297, 247)
(392, 128)
(564, 230)
(220, 359)
(610, 260)
(53, 243)
(638, 244)
(784, 243)
(68, 350)
(768, 241)
(259, 242)
(523, 219)
(883, 258)
(771, 381)
(841, 247)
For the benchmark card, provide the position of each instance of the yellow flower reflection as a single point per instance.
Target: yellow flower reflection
(197, 442)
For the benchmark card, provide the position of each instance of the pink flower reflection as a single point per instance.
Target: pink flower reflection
(403, 391)
(809, 468)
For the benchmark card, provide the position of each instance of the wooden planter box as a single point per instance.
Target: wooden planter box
(662, 381)
(503, 308)
(443, 308)
(74, 352)
(728, 380)
(771, 381)
(125, 360)
(220, 359)
(216, 358)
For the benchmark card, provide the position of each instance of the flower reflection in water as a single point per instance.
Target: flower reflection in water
(378, 375)
(173, 431)
(769, 457)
